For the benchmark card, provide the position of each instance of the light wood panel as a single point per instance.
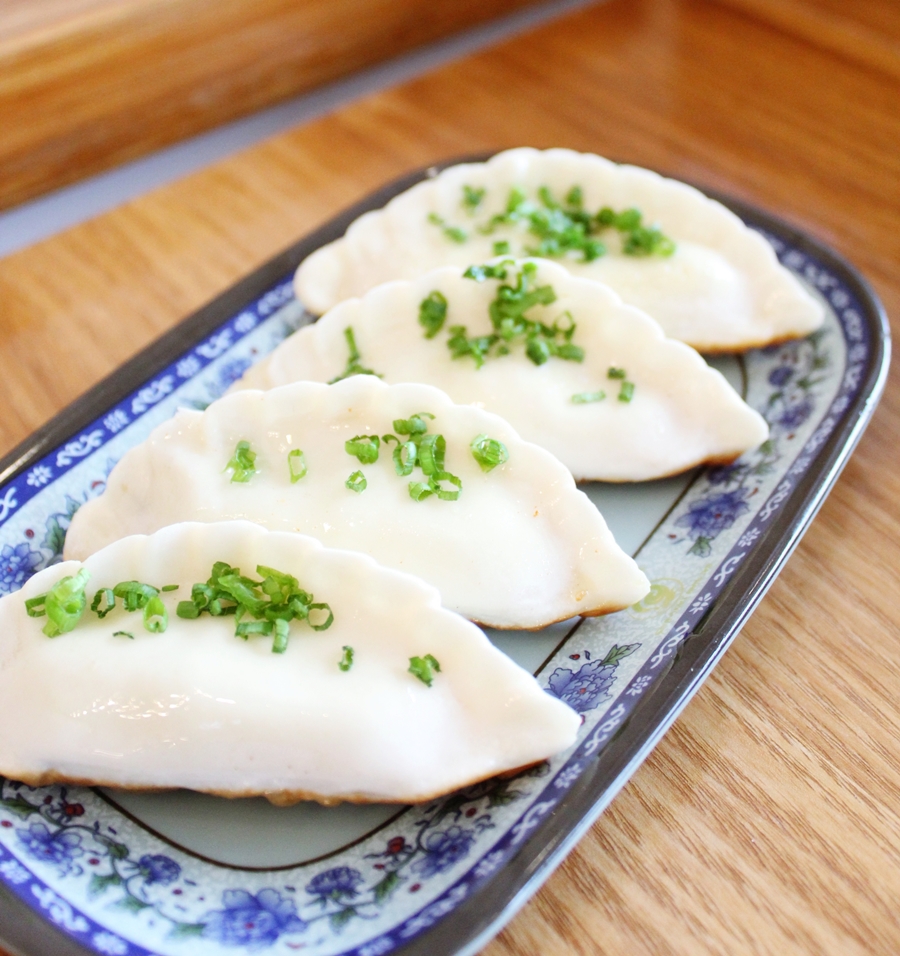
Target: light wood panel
(87, 84)
(768, 819)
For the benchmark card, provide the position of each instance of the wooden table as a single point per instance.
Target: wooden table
(768, 820)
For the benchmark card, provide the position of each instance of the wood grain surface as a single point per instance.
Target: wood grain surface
(768, 819)
(88, 84)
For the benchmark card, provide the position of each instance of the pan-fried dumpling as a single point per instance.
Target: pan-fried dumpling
(661, 244)
(494, 522)
(396, 699)
(542, 349)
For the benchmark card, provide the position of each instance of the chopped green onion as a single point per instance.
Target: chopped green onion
(414, 425)
(431, 453)
(34, 607)
(346, 661)
(280, 641)
(246, 630)
(357, 482)
(453, 233)
(538, 350)
(583, 398)
(273, 602)
(497, 270)
(420, 490)
(156, 619)
(446, 494)
(401, 466)
(615, 372)
(242, 463)
(432, 313)
(123, 634)
(169, 587)
(488, 452)
(353, 360)
(106, 596)
(626, 392)
(424, 668)
(63, 604)
(296, 465)
(329, 619)
(574, 197)
(472, 197)
(501, 247)
(364, 448)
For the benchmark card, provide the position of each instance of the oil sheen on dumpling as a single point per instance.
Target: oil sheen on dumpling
(520, 547)
(679, 412)
(722, 289)
(197, 707)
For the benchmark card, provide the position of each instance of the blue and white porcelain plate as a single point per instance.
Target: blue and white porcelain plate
(183, 873)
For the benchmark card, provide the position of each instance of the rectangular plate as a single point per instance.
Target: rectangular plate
(98, 871)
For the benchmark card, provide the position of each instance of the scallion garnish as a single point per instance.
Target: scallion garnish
(363, 447)
(510, 323)
(414, 425)
(296, 465)
(501, 247)
(107, 598)
(432, 449)
(405, 457)
(169, 587)
(566, 228)
(346, 661)
(242, 463)
(488, 452)
(626, 391)
(420, 490)
(63, 604)
(453, 233)
(433, 313)
(424, 668)
(583, 398)
(614, 372)
(357, 482)
(472, 198)
(123, 634)
(156, 618)
(445, 494)
(272, 602)
(353, 360)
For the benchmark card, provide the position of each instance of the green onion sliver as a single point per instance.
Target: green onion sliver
(626, 391)
(364, 448)
(296, 464)
(433, 313)
(446, 494)
(614, 372)
(63, 604)
(424, 668)
(431, 453)
(357, 482)
(242, 462)
(414, 425)
(405, 458)
(488, 452)
(583, 398)
(346, 661)
(156, 618)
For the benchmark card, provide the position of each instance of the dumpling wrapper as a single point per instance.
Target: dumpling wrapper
(522, 547)
(683, 413)
(722, 290)
(196, 707)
